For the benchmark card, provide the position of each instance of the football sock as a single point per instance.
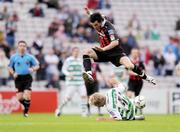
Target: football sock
(87, 62)
(84, 106)
(88, 107)
(65, 101)
(140, 72)
(26, 105)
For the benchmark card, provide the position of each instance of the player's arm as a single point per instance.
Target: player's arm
(88, 12)
(11, 67)
(111, 45)
(105, 119)
(65, 67)
(35, 64)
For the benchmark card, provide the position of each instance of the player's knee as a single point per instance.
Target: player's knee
(27, 96)
(86, 52)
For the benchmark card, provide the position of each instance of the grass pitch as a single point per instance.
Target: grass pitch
(76, 123)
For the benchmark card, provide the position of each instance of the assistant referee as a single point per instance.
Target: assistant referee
(21, 65)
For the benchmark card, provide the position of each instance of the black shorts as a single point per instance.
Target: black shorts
(112, 55)
(92, 88)
(135, 86)
(23, 82)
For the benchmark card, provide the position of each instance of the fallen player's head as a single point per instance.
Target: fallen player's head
(97, 99)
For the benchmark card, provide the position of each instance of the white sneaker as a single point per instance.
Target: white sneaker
(26, 115)
(88, 76)
(84, 115)
(57, 113)
(151, 80)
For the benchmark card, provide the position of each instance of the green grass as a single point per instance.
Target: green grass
(75, 123)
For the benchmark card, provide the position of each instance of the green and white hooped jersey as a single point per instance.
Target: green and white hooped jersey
(119, 106)
(73, 67)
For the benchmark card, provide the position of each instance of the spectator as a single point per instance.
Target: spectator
(147, 56)
(104, 4)
(4, 14)
(155, 33)
(54, 83)
(173, 46)
(41, 73)
(158, 61)
(11, 29)
(60, 34)
(50, 3)
(177, 73)
(178, 25)
(4, 73)
(147, 33)
(53, 27)
(93, 4)
(170, 59)
(132, 40)
(38, 44)
(134, 23)
(51, 60)
(126, 47)
(15, 16)
(37, 11)
(5, 48)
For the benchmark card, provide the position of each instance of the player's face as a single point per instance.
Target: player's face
(75, 52)
(135, 53)
(22, 47)
(96, 25)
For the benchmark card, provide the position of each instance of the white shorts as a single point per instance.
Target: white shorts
(71, 90)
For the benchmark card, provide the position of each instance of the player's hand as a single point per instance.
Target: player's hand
(31, 70)
(15, 75)
(99, 48)
(87, 10)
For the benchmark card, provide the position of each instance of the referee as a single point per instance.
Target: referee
(21, 66)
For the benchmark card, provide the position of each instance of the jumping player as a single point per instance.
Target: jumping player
(109, 50)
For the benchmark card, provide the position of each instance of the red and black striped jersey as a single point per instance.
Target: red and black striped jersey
(107, 34)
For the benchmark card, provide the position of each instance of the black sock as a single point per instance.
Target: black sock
(140, 72)
(26, 105)
(88, 107)
(87, 62)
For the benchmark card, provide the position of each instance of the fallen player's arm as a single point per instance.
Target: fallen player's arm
(106, 119)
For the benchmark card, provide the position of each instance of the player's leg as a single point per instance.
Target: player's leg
(70, 90)
(27, 101)
(139, 117)
(19, 96)
(130, 66)
(138, 86)
(83, 93)
(87, 55)
(131, 89)
(89, 91)
(26, 84)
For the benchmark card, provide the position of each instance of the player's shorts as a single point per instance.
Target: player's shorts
(71, 90)
(23, 82)
(135, 86)
(92, 88)
(112, 55)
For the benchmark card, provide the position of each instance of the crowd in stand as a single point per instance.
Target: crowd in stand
(71, 26)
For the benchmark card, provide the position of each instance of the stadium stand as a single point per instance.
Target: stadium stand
(163, 12)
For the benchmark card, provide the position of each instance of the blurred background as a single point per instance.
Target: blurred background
(52, 27)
